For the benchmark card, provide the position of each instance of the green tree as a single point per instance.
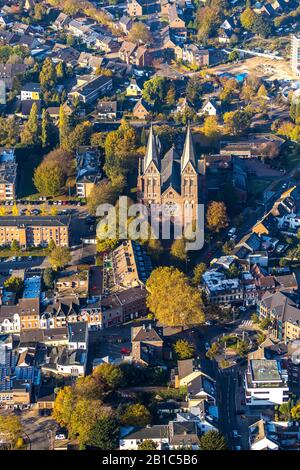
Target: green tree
(11, 430)
(46, 129)
(148, 444)
(102, 193)
(140, 33)
(48, 278)
(15, 246)
(199, 270)
(178, 250)
(105, 433)
(184, 349)
(182, 305)
(295, 412)
(30, 133)
(14, 284)
(233, 56)
(135, 415)
(61, 70)
(49, 178)
(111, 375)
(60, 257)
(247, 18)
(265, 323)
(48, 76)
(64, 128)
(213, 440)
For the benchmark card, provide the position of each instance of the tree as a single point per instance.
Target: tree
(194, 90)
(171, 298)
(48, 76)
(184, 349)
(86, 413)
(105, 433)
(210, 127)
(262, 91)
(265, 323)
(61, 70)
(154, 90)
(59, 257)
(64, 128)
(15, 210)
(247, 18)
(48, 278)
(178, 250)
(199, 270)
(261, 26)
(140, 33)
(237, 122)
(213, 351)
(80, 135)
(111, 375)
(255, 318)
(46, 129)
(102, 193)
(11, 429)
(62, 158)
(49, 178)
(216, 216)
(213, 440)
(14, 284)
(295, 412)
(135, 415)
(228, 247)
(30, 132)
(64, 406)
(15, 246)
(233, 56)
(148, 444)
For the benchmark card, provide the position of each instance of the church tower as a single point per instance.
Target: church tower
(189, 175)
(149, 179)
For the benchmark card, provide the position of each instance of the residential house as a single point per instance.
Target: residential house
(141, 110)
(125, 24)
(147, 345)
(88, 172)
(10, 72)
(107, 110)
(31, 91)
(211, 108)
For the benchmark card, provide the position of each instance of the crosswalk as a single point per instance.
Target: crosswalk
(247, 322)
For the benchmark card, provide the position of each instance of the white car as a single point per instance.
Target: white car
(60, 437)
(235, 433)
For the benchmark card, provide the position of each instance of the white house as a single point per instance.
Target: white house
(210, 108)
(265, 383)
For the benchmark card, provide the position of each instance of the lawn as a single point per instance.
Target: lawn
(257, 185)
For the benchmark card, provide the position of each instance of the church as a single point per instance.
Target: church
(171, 179)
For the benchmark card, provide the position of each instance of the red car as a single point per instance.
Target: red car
(125, 351)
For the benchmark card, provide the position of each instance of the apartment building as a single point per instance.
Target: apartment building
(295, 53)
(265, 383)
(35, 231)
(88, 170)
(284, 314)
(8, 174)
(126, 266)
(92, 89)
(221, 290)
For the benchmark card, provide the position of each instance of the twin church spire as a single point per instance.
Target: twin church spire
(153, 150)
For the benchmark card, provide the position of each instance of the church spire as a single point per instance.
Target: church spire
(151, 152)
(188, 154)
